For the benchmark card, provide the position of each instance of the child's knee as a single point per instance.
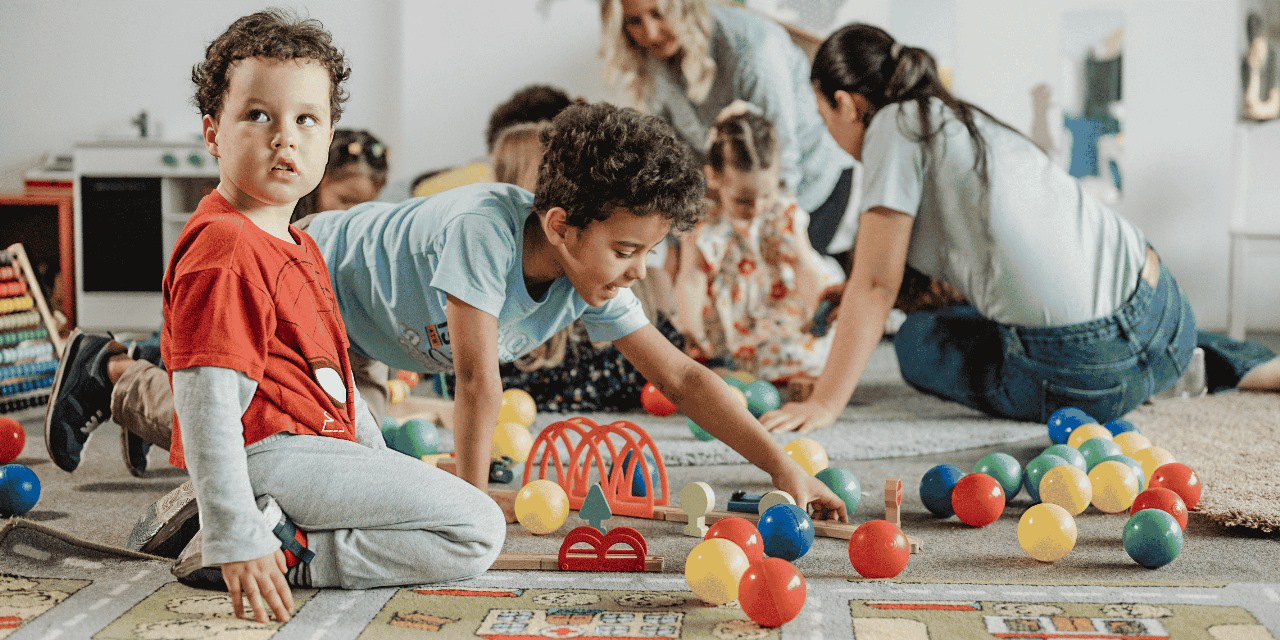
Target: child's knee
(488, 532)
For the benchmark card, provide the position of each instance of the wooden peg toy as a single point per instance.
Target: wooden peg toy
(774, 498)
(893, 510)
(696, 500)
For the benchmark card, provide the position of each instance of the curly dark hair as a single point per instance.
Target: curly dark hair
(534, 103)
(600, 158)
(273, 33)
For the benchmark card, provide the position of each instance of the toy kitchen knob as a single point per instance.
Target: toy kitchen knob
(169, 160)
(195, 160)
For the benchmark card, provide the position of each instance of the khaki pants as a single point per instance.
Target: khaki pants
(142, 401)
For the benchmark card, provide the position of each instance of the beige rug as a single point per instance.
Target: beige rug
(1231, 440)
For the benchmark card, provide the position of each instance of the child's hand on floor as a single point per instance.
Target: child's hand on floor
(810, 492)
(803, 417)
(262, 581)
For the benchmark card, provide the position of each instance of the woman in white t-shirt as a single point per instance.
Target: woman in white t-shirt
(1069, 305)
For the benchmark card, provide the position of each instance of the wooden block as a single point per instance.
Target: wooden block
(893, 501)
(824, 528)
(551, 562)
(696, 500)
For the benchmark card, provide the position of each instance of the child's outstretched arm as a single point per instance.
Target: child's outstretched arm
(704, 397)
(473, 338)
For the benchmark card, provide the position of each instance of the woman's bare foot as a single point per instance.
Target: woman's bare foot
(1264, 377)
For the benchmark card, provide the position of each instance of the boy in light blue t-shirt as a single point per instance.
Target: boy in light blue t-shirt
(483, 274)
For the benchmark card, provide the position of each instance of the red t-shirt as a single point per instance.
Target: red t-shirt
(239, 298)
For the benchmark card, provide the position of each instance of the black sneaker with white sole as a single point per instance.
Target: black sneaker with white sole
(81, 396)
(168, 524)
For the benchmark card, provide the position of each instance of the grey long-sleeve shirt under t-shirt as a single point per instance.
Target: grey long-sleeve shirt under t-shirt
(210, 403)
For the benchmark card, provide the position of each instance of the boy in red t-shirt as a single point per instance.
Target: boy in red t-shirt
(268, 420)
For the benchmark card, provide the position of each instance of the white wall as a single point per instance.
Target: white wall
(81, 70)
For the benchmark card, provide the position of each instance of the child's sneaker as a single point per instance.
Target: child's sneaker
(135, 450)
(191, 570)
(81, 396)
(168, 524)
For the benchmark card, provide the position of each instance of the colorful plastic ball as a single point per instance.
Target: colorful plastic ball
(542, 506)
(1119, 426)
(762, 397)
(1097, 450)
(654, 402)
(771, 592)
(518, 407)
(1087, 432)
(411, 378)
(741, 376)
(1152, 458)
(1133, 465)
(1064, 421)
(1047, 532)
(512, 440)
(1067, 487)
(809, 454)
(787, 531)
(741, 532)
(978, 499)
(878, 549)
(736, 383)
(1035, 471)
(396, 391)
(699, 432)
(417, 438)
(1164, 500)
(936, 486)
(19, 490)
(12, 440)
(713, 570)
(1130, 442)
(1004, 468)
(1180, 479)
(1152, 538)
(1070, 454)
(639, 487)
(1114, 486)
(844, 484)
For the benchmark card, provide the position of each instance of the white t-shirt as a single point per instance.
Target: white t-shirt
(1032, 250)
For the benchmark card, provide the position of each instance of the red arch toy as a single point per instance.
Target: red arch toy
(599, 553)
(582, 440)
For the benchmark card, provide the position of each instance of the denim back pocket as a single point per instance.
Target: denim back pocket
(1103, 404)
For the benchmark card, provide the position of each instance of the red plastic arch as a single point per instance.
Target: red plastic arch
(582, 440)
(600, 553)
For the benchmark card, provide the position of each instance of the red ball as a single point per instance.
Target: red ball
(741, 532)
(977, 499)
(878, 549)
(1163, 499)
(12, 440)
(771, 592)
(654, 402)
(1181, 479)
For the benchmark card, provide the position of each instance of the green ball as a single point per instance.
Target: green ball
(1036, 470)
(1152, 538)
(389, 428)
(1096, 450)
(698, 432)
(736, 383)
(1005, 469)
(1070, 454)
(844, 484)
(762, 397)
(1132, 464)
(417, 438)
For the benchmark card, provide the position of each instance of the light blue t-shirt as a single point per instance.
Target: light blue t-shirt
(393, 264)
(756, 61)
(1033, 249)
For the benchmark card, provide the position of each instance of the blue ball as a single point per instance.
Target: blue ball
(936, 486)
(762, 397)
(787, 532)
(1064, 421)
(1070, 454)
(638, 486)
(1096, 450)
(1036, 470)
(1132, 464)
(417, 438)
(19, 490)
(1119, 426)
(1152, 538)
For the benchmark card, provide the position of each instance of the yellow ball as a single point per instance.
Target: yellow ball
(1114, 486)
(713, 570)
(518, 407)
(542, 506)
(1068, 487)
(1086, 432)
(808, 454)
(737, 393)
(1151, 459)
(1130, 442)
(396, 391)
(1047, 532)
(512, 440)
(741, 375)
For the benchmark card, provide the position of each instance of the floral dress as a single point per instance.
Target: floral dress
(753, 312)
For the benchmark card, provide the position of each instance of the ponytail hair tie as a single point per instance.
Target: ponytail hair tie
(895, 51)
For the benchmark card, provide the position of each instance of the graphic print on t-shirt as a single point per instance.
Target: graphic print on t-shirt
(299, 287)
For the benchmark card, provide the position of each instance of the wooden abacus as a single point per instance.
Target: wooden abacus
(29, 341)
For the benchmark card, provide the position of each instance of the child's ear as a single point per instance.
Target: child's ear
(555, 224)
(209, 126)
(852, 107)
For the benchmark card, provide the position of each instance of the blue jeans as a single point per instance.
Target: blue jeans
(1106, 366)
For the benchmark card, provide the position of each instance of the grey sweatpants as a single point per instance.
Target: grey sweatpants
(375, 517)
